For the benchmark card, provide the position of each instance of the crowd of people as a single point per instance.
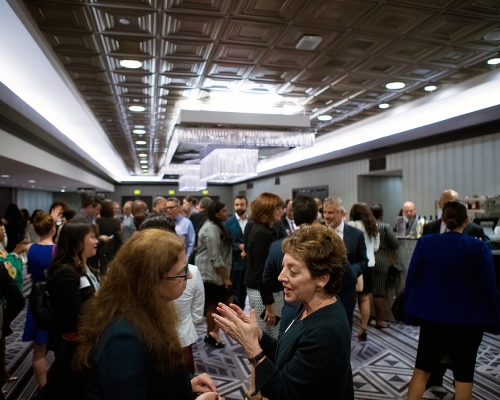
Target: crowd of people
(127, 286)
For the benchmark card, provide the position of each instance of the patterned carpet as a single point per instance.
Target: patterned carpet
(382, 366)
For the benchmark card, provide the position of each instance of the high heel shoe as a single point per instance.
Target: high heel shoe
(210, 341)
(362, 335)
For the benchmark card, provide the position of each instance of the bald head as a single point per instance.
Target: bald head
(409, 210)
(446, 196)
(139, 207)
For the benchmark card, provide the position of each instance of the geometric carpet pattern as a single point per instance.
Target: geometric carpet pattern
(382, 366)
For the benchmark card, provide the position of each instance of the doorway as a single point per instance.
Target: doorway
(384, 188)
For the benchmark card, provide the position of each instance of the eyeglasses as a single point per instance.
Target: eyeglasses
(185, 276)
(171, 208)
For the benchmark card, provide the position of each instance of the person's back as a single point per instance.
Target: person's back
(448, 281)
(39, 259)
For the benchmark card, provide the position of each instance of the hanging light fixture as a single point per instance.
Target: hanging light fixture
(191, 183)
(226, 164)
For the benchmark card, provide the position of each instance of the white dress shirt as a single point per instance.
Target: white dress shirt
(190, 306)
(242, 222)
(340, 230)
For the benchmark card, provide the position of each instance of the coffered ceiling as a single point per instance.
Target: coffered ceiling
(201, 50)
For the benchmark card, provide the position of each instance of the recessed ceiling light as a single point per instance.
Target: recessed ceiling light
(383, 105)
(395, 85)
(494, 61)
(493, 36)
(140, 142)
(137, 108)
(139, 126)
(5, 176)
(31, 181)
(63, 190)
(430, 88)
(139, 131)
(325, 117)
(143, 155)
(124, 21)
(143, 161)
(308, 42)
(132, 64)
(144, 166)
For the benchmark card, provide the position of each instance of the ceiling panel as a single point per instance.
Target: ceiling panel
(195, 49)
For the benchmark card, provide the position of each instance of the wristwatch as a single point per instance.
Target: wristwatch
(257, 358)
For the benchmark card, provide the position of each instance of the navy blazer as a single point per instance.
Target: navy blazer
(451, 280)
(354, 241)
(234, 229)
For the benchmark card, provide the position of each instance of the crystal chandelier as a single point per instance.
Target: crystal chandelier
(226, 164)
(191, 183)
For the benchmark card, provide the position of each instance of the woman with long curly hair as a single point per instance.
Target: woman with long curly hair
(361, 217)
(129, 347)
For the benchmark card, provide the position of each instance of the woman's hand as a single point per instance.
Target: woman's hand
(270, 315)
(57, 212)
(203, 384)
(20, 247)
(234, 324)
(209, 396)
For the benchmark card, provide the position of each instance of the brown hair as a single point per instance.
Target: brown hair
(43, 223)
(454, 214)
(361, 212)
(323, 252)
(107, 210)
(130, 291)
(263, 208)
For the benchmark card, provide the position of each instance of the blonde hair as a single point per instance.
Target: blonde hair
(130, 290)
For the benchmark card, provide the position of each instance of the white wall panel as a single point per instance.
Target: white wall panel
(34, 200)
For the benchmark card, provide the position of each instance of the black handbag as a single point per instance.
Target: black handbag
(398, 307)
(40, 306)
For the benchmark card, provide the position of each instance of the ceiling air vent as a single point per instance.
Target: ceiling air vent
(249, 185)
(377, 164)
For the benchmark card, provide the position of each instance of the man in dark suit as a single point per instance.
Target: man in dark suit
(287, 218)
(236, 227)
(354, 240)
(201, 214)
(437, 227)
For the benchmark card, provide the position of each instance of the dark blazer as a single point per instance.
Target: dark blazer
(197, 218)
(257, 245)
(234, 228)
(312, 360)
(471, 229)
(285, 223)
(66, 300)
(354, 241)
(451, 280)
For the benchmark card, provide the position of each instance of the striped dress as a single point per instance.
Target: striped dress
(388, 245)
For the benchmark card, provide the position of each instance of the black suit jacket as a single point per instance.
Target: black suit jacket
(471, 229)
(354, 241)
(196, 219)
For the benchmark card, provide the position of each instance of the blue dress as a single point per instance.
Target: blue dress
(39, 259)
